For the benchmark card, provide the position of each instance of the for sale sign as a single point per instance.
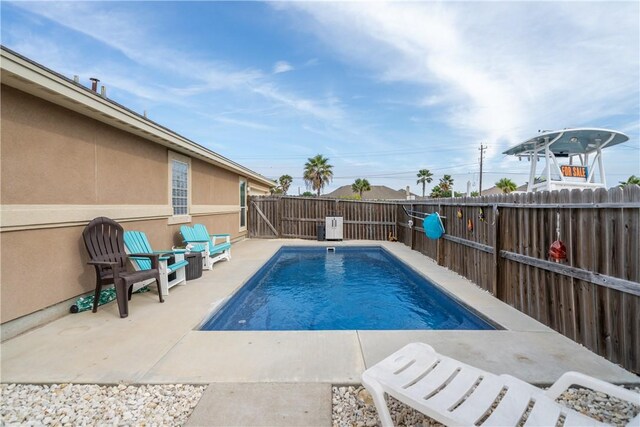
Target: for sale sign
(574, 171)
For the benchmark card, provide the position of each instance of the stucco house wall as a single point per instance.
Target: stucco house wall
(61, 167)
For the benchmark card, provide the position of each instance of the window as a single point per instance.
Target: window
(243, 204)
(180, 187)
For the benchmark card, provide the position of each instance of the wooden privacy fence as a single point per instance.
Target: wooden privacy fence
(592, 298)
(501, 243)
(298, 217)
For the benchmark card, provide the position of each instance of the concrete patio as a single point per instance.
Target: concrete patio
(160, 343)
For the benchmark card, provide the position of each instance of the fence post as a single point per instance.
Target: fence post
(279, 209)
(250, 226)
(397, 226)
(411, 229)
(440, 244)
(496, 250)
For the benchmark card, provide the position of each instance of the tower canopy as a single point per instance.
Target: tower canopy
(575, 146)
(566, 142)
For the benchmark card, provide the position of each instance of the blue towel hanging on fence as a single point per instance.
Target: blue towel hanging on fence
(433, 227)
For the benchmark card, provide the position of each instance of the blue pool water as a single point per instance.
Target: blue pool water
(308, 288)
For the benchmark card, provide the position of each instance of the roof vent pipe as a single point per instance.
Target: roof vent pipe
(103, 91)
(94, 84)
(76, 78)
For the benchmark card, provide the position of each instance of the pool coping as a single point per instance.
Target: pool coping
(159, 343)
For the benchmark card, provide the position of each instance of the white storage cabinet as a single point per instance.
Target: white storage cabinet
(334, 228)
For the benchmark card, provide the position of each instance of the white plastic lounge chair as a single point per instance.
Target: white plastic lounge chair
(457, 394)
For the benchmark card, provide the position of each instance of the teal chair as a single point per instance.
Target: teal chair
(200, 240)
(136, 242)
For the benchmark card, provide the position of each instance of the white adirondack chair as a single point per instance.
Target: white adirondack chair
(200, 240)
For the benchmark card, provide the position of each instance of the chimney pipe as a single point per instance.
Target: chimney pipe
(94, 84)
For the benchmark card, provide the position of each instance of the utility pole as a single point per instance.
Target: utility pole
(482, 148)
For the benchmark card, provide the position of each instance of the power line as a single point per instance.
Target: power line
(527, 173)
(364, 155)
(407, 174)
(360, 154)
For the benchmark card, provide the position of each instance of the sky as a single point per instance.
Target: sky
(381, 89)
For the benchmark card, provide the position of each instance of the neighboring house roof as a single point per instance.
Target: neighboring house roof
(496, 190)
(378, 192)
(30, 77)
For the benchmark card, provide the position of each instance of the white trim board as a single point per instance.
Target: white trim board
(214, 209)
(47, 216)
(24, 217)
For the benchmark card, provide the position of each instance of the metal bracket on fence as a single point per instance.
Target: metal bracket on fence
(414, 214)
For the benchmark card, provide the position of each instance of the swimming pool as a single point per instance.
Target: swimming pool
(366, 288)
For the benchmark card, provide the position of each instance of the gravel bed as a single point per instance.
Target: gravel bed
(92, 405)
(353, 406)
(171, 405)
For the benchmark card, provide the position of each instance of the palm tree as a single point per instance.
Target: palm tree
(424, 176)
(446, 184)
(436, 192)
(285, 182)
(317, 172)
(360, 186)
(506, 185)
(631, 181)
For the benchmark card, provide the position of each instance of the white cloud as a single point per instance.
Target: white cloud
(282, 67)
(242, 123)
(120, 30)
(431, 100)
(506, 68)
(328, 110)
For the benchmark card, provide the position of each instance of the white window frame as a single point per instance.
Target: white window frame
(179, 219)
(246, 194)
